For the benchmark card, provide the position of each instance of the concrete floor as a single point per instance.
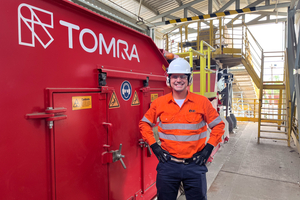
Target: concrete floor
(245, 170)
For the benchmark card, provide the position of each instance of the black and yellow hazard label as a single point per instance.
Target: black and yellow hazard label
(81, 102)
(207, 16)
(135, 100)
(113, 102)
(153, 97)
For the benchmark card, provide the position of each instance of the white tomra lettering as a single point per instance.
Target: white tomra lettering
(81, 40)
(112, 44)
(70, 33)
(108, 48)
(134, 53)
(125, 49)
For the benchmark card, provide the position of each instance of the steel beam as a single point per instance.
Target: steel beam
(237, 4)
(146, 5)
(297, 77)
(173, 10)
(210, 5)
(225, 6)
(179, 2)
(111, 13)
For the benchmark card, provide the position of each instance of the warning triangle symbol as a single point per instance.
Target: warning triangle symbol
(114, 103)
(76, 104)
(135, 100)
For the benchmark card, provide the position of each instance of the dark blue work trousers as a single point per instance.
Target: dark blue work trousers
(170, 174)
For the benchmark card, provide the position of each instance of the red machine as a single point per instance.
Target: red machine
(73, 87)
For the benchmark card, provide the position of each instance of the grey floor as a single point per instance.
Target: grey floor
(245, 170)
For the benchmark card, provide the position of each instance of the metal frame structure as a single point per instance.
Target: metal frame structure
(154, 13)
(293, 49)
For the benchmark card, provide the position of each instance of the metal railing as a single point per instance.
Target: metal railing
(204, 71)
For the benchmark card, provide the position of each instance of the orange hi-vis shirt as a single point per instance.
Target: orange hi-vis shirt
(182, 131)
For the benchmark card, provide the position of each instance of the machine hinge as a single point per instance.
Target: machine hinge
(105, 89)
(145, 89)
(50, 114)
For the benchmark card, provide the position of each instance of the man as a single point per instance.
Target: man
(182, 131)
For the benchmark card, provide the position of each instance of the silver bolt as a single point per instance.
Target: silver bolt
(50, 124)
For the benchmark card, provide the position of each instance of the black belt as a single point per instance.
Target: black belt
(183, 160)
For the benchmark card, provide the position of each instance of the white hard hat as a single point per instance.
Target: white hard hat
(179, 66)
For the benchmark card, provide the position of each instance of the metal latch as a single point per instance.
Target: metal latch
(142, 143)
(51, 114)
(113, 156)
(118, 156)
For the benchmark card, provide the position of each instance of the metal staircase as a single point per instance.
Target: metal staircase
(273, 112)
(236, 46)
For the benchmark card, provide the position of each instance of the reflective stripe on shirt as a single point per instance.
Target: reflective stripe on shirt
(147, 121)
(215, 122)
(182, 126)
(183, 138)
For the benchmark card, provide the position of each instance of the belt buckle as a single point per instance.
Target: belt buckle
(184, 161)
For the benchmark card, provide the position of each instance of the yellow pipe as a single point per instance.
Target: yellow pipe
(279, 109)
(208, 66)
(191, 65)
(260, 95)
(180, 38)
(198, 37)
(167, 42)
(186, 33)
(202, 71)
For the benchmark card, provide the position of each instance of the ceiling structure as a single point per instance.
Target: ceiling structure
(142, 15)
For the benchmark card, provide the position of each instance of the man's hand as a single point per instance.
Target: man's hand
(160, 154)
(202, 156)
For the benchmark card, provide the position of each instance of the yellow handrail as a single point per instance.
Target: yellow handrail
(204, 54)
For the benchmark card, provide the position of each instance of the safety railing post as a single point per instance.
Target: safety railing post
(254, 110)
(180, 30)
(260, 95)
(202, 70)
(191, 65)
(279, 109)
(167, 42)
(208, 66)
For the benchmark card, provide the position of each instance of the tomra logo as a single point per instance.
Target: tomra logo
(38, 18)
(34, 18)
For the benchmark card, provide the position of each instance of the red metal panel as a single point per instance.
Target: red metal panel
(149, 162)
(50, 44)
(79, 140)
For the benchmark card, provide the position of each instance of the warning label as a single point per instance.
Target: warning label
(81, 102)
(135, 100)
(153, 97)
(114, 103)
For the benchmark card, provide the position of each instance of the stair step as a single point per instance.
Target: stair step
(274, 120)
(274, 81)
(273, 103)
(275, 87)
(272, 138)
(267, 131)
(272, 114)
(274, 108)
(272, 125)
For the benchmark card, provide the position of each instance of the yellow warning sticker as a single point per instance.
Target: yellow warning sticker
(153, 97)
(135, 100)
(81, 102)
(113, 102)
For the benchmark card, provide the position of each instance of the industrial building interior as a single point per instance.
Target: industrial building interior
(260, 156)
(245, 56)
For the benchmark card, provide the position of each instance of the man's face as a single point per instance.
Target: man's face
(179, 82)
